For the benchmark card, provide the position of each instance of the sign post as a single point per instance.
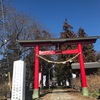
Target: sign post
(18, 81)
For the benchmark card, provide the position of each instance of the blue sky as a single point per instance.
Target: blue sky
(52, 13)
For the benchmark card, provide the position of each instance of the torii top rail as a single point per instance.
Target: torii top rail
(57, 43)
(53, 42)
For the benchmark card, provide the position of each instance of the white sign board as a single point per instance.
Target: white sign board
(44, 80)
(39, 79)
(18, 81)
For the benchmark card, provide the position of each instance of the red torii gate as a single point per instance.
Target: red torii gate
(57, 43)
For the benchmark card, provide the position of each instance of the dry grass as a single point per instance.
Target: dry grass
(4, 88)
(93, 84)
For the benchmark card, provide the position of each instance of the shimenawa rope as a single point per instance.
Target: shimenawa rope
(57, 62)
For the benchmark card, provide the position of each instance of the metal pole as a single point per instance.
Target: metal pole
(41, 79)
(49, 78)
(49, 75)
(9, 78)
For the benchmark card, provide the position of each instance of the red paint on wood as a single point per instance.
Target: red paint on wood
(36, 73)
(58, 52)
(82, 70)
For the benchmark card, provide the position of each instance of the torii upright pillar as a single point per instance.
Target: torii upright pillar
(36, 75)
(82, 72)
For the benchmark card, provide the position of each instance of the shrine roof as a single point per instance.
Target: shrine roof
(67, 41)
(87, 65)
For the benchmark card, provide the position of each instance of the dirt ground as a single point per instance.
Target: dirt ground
(65, 94)
(61, 94)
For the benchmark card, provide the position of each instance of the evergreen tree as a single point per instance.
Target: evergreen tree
(68, 33)
(98, 56)
(64, 70)
(88, 49)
